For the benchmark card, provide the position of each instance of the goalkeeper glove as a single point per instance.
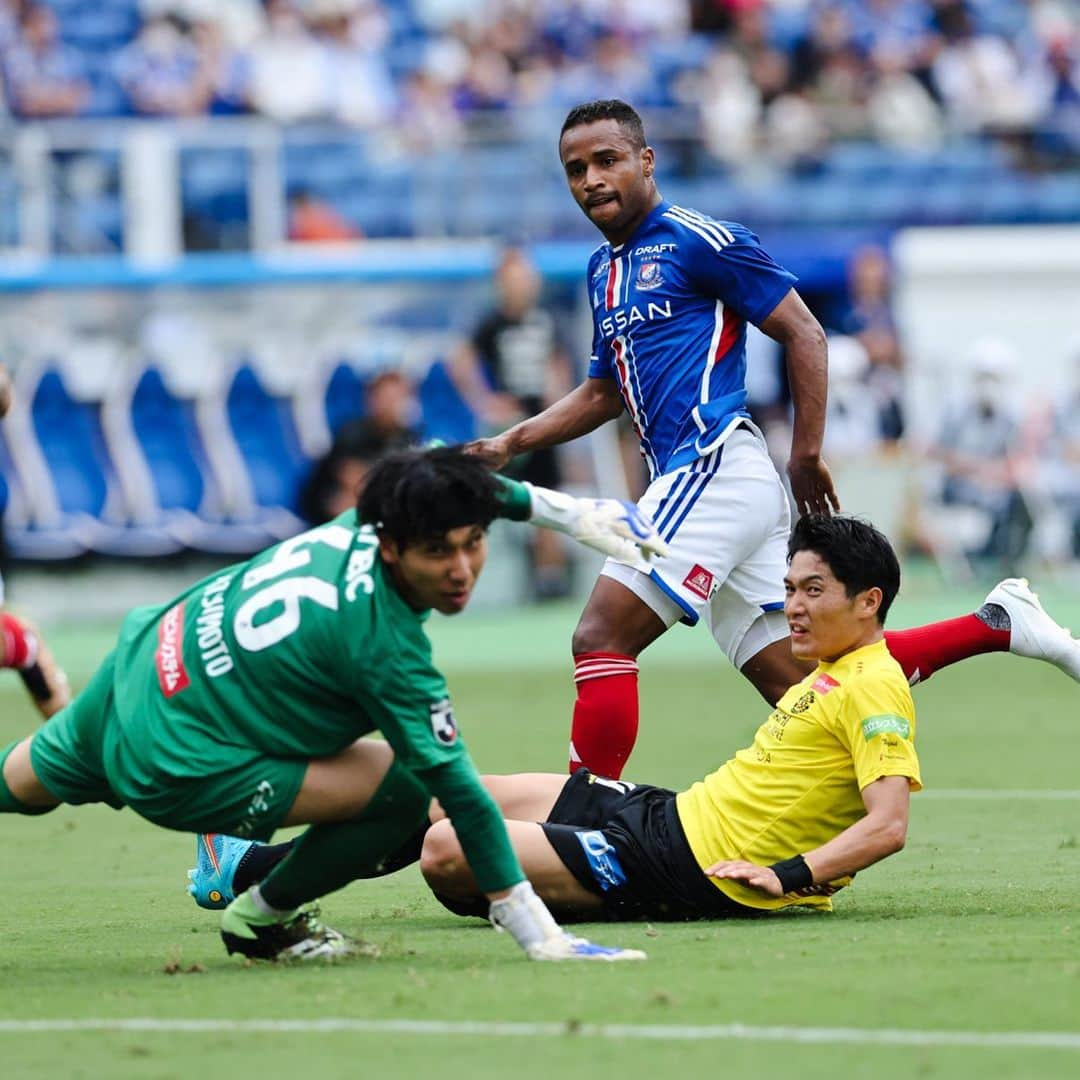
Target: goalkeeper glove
(611, 526)
(526, 918)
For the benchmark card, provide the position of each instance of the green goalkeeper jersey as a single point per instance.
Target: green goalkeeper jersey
(296, 654)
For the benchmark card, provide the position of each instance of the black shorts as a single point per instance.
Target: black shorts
(625, 843)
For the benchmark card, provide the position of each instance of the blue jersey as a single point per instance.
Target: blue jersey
(670, 308)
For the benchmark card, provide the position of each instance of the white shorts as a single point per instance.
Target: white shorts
(726, 521)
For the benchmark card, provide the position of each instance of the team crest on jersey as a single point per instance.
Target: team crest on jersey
(649, 276)
(804, 702)
(699, 581)
(442, 722)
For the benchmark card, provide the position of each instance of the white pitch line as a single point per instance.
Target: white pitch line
(999, 1040)
(1002, 794)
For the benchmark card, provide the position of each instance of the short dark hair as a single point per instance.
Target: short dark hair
(417, 495)
(859, 556)
(607, 109)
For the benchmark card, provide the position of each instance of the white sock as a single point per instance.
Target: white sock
(264, 908)
(524, 916)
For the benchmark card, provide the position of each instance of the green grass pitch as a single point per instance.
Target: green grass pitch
(974, 928)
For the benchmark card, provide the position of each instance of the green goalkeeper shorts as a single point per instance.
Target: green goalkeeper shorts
(80, 758)
(67, 751)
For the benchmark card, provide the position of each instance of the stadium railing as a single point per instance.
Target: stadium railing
(158, 188)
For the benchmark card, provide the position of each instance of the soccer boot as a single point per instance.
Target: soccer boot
(217, 856)
(299, 935)
(567, 947)
(1032, 632)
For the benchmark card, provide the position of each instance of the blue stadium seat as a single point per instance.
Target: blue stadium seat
(343, 397)
(1057, 197)
(970, 159)
(326, 167)
(50, 540)
(1008, 199)
(206, 173)
(83, 477)
(945, 202)
(69, 434)
(184, 488)
(859, 161)
(264, 430)
(446, 416)
(214, 195)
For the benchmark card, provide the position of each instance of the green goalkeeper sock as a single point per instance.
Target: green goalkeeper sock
(8, 803)
(328, 857)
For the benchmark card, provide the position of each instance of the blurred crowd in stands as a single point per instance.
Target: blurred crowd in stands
(782, 78)
(747, 85)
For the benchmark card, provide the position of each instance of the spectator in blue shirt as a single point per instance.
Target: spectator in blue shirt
(44, 78)
(162, 72)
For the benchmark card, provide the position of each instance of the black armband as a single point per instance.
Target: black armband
(794, 874)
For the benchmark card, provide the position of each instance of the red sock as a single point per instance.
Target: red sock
(922, 650)
(20, 645)
(605, 713)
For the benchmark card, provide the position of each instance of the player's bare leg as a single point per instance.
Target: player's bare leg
(443, 865)
(22, 782)
(519, 796)
(340, 787)
(614, 628)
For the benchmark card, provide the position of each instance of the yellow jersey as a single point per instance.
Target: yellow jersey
(844, 726)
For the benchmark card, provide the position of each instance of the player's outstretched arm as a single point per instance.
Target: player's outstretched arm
(792, 324)
(882, 832)
(611, 526)
(493, 863)
(585, 408)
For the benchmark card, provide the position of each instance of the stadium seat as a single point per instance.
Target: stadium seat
(860, 161)
(25, 538)
(446, 416)
(264, 430)
(180, 474)
(71, 482)
(343, 397)
(206, 174)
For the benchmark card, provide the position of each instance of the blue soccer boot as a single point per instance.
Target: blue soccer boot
(217, 857)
